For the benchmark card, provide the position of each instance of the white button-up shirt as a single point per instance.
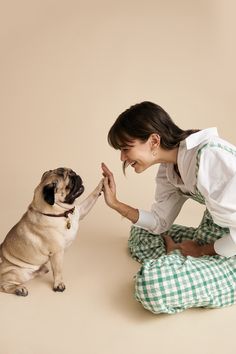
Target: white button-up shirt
(216, 181)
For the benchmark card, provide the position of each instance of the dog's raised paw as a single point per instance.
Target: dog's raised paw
(60, 287)
(21, 291)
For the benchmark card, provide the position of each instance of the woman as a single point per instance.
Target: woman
(182, 266)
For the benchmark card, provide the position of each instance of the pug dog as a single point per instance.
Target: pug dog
(44, 232)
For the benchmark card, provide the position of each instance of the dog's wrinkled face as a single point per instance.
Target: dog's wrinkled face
(61, 185)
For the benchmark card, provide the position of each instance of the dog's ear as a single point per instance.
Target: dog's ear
(45, 174)
(48, 193)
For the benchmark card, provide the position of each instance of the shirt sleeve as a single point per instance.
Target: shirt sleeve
(168, 203)
(217, 183)
(225, 246)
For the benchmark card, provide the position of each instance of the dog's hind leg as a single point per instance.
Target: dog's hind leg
(13, 279)
(10, 288)
(41, 271)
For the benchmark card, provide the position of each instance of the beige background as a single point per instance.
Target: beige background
(67, 69)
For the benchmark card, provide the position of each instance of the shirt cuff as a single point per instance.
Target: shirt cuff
(225, 246)
(146, 220)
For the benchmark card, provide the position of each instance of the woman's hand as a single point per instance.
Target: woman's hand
(109, 190)
(109, 187)
(187, 248)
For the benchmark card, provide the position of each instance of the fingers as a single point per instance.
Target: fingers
(107, 173)
(105, 169)
(170, 244)
(109, 183)
(169, 241)
(106, 182)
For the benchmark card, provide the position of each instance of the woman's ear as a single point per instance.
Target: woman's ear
(155, 140)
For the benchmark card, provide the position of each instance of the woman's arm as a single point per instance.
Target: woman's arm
(168, 203)
(217, 183)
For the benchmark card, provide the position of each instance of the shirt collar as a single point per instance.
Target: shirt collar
(197, 138)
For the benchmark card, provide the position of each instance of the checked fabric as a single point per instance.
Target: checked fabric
(172, 283)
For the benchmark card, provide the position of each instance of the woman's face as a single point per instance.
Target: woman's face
(139, 156)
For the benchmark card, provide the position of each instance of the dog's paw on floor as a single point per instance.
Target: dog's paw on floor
(60, 287)
(21, 291)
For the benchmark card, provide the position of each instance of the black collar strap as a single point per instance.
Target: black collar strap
(65, 214)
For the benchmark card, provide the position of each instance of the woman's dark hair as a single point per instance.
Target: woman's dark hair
(140, 121)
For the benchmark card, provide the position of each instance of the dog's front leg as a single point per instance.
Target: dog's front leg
(89, 202)
(57, 263)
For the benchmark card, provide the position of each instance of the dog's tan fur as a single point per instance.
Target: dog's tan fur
(38, 238)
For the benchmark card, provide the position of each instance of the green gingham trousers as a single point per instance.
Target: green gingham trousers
(172, 283)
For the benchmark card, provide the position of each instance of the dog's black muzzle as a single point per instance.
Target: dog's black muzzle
(76, 188)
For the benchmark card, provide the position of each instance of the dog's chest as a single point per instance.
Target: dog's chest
(71, 228)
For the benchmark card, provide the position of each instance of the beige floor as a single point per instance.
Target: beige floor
(97, 313)
(67, 69)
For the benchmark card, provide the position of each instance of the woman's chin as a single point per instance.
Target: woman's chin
(139, 169)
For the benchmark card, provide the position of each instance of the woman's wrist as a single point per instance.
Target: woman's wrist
(126, 211)
(116, 205)
(121, 208)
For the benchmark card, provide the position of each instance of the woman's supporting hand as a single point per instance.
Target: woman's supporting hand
(189, 248)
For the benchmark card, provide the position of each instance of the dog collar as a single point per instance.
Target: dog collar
(65, 215)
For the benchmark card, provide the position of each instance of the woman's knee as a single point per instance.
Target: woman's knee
(154, 291)
(174, 283)
(143, 245)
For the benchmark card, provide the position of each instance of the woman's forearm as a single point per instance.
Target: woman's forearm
(126, 211)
